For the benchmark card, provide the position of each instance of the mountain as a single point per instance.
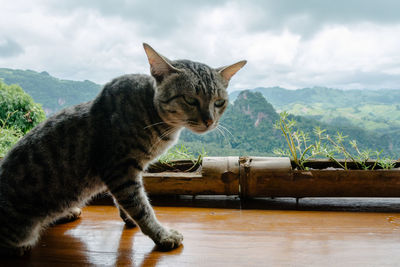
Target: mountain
(280, 97)
(250, 119)
(377, 110)
(247, 125)
(53, 93)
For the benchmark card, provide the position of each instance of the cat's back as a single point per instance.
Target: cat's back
(50, 149)
(123, 89)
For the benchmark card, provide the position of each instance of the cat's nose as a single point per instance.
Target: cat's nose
(209, 122)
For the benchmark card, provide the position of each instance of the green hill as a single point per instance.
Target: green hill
(54, 94)
(377, 110)
(250, 120)
(248, 129)
(370, 117)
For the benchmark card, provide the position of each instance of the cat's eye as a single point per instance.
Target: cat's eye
(219, 103)
(190, 100)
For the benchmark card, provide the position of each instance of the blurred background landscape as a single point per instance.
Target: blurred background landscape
(372, 117)
(334, 64)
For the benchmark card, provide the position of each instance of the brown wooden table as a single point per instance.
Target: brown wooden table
(224, 237)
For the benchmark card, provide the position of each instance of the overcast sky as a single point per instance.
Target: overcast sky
(293, 44)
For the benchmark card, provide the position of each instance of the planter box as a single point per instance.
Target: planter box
(274, 177)
(250, 177)
(262, 182)
(217, 176)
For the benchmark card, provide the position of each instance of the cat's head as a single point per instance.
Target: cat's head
(190, 94)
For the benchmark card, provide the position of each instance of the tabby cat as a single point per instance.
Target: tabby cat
(105, 144)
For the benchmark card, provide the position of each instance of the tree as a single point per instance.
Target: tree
(17, 108)
(18, 114)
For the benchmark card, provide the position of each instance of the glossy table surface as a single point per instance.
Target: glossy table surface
(224, 237)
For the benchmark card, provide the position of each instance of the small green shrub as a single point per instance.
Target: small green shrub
(181, 152)
(18, 114)
(25, 113)
(301, 150)
(8, 137)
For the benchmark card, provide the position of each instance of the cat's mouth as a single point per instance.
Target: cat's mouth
(200, 128)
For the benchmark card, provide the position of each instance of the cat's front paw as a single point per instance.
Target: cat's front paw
(169, 239)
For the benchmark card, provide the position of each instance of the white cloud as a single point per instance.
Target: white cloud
(339, 51)
(80, 45)
(285, 45)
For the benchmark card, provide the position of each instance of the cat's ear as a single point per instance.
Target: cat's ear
(159, 65)
(228, 71)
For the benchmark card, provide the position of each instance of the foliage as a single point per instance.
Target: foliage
(387, 163)
(17, 108)
(177, 153)
(181, 152)
(376, 110)
(300, 150)
(8, 136)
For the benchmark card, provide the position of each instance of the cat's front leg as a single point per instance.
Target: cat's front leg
(129, 192)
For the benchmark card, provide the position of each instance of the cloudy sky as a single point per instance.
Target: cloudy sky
(288, 43)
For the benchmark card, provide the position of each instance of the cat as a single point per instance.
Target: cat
(105, 144)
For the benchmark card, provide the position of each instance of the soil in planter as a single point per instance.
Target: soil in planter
(327, 164)
(174, 166)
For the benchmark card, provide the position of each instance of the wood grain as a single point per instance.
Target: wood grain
(224, 237)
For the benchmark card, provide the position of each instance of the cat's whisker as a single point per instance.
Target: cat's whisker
(154, 124)
(161, 122)
(226, 129)
(227, 138)
(221, 132)
(167, 132)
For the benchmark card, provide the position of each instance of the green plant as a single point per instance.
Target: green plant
(301, 151)
(181, 152)
(386, 163)
(359, 157)
(18, 114)
(8, 136)
(25, 113)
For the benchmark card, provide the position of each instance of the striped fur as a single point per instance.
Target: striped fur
(102, 145)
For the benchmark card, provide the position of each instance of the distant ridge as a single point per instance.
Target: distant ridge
(53, 93)
(372, 117)
(279, 96)
(370, 109)
(250, 119)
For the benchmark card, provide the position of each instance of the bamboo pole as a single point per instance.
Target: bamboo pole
(218, 176)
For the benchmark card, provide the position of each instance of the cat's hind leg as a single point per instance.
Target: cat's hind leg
(129, 222)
